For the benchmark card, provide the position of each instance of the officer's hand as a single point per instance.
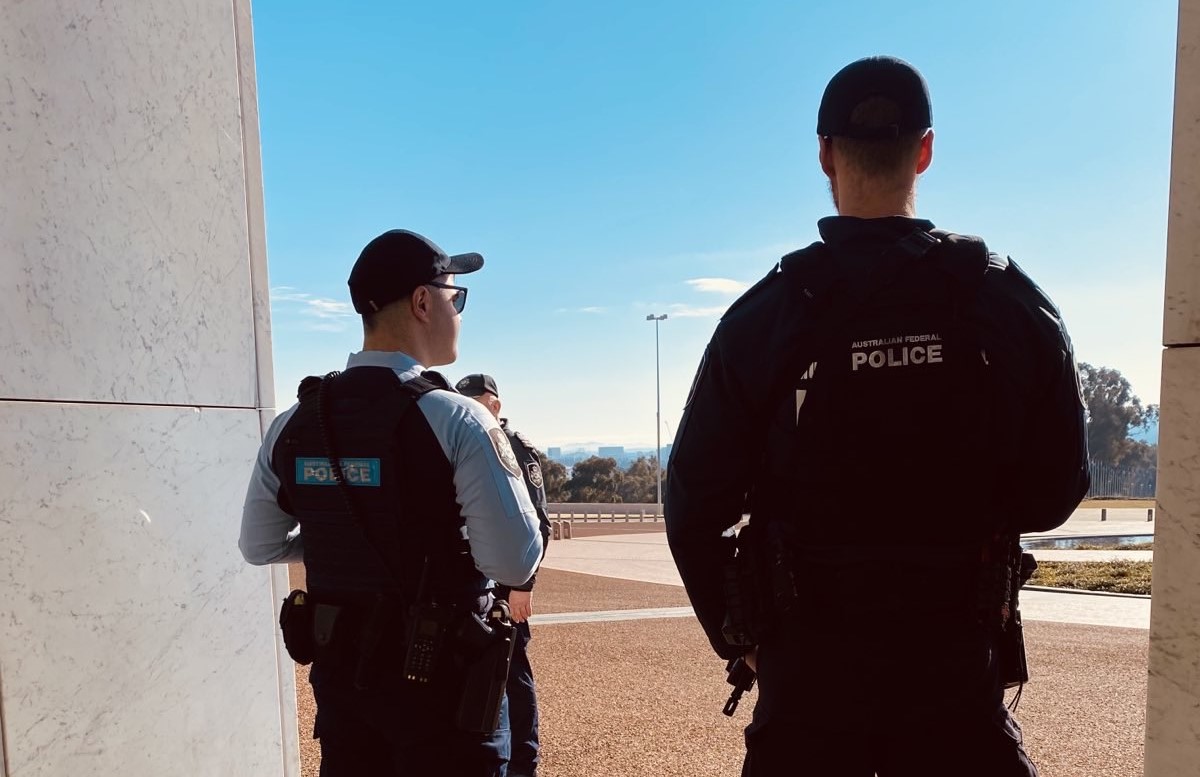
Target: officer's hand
(751, 659)
(520, 604)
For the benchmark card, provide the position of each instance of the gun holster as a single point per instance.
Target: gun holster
(760, 585)
(484, 647)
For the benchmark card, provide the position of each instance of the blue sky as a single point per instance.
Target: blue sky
(616, 160)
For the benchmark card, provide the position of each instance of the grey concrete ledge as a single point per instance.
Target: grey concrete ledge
(1054, 590)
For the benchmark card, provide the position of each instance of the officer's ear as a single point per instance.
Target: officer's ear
(925, 152)
(421, 303)
(825, 154)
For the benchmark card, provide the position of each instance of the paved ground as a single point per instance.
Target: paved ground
(629, 686)
(646, 558)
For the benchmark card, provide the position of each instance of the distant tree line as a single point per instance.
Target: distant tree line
(601, 479)
(1120, 464)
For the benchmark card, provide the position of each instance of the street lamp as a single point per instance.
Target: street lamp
(657, 413)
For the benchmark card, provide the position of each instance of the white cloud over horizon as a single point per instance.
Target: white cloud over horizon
(588, 309)
(331, 315)
(717, 285)
(681, 310)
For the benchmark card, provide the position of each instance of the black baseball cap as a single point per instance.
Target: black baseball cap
(394, 264)
(476, 384)
(885, 77)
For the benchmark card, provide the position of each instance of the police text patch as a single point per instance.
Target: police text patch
(896, 351)
(319, 472)
(504, 451)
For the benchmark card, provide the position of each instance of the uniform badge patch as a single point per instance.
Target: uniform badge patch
(504, 451)
(534, 471)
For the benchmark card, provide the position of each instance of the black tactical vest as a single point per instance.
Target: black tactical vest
(886, 430)
(401, 485)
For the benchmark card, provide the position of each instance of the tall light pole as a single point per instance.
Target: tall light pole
(657, 413)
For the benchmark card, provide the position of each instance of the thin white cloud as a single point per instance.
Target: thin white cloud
(718, 285)
(318, 307)
(320, 314)
(679, 310)
(588, 309)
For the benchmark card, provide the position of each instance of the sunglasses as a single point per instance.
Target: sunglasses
(459, 300)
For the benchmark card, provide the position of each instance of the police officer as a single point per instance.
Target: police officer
(400, 551)
(893, 404)
(522, 694)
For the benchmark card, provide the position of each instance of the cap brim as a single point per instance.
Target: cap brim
(460, 264)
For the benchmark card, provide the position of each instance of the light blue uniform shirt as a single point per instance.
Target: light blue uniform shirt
(501, 524)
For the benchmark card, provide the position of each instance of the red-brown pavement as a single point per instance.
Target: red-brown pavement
(644, 697)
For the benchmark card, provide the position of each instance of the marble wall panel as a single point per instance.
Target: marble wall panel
(257, 220)
(134, 640)
(1181, 314)
(1173, 688)
(1173, 692)
(124, 245)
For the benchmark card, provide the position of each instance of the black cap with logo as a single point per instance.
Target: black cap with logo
(889, 78)
(394, 264)
(477, 384)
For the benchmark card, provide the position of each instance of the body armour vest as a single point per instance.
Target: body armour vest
(886, 425)
(401, 486)
(879, 462)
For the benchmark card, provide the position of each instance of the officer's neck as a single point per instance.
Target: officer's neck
(401, 342)
(864, 200)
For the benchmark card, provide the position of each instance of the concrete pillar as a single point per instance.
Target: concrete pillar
(137, 378)
(1173, 693)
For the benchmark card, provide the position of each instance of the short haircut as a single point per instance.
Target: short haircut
(879, 158)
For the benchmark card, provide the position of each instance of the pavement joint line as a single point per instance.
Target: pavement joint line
(1055, 590)
(599, 616)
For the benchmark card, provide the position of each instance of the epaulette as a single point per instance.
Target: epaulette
(810, 270)
(524, 441)
(792, 259)
(437, 379)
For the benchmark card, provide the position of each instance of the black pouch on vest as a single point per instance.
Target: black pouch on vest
(486, 648)
(296, 622)
(1010, 655)
(1013, 667)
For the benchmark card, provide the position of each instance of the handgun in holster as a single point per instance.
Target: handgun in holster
(739, 591)
(759, 586)
(484, 645)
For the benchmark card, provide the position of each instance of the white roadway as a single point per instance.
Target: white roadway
(646, 558)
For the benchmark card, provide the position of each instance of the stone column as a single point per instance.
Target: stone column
(135, 379)
(1173, 694)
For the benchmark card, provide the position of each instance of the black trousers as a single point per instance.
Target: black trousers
(906, 745)
(901, 703)
(395, 731)
(522, 707)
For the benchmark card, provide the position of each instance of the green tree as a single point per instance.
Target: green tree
(638, 483)
(595, 479)
(1113, 411)
(554, 479)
